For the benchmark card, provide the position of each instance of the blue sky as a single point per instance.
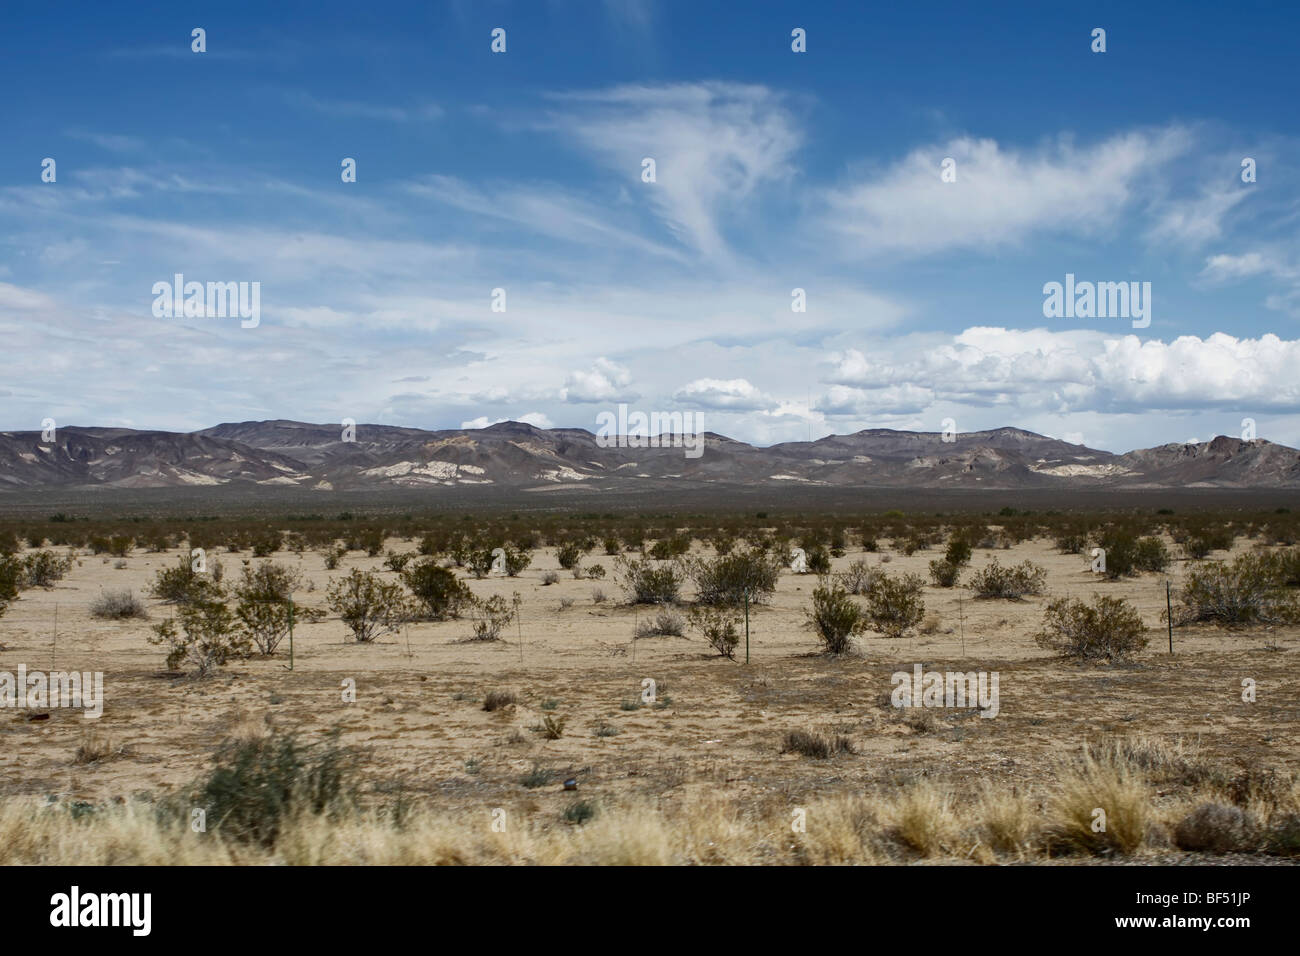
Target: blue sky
(775, 170)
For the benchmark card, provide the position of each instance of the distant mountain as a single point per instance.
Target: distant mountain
(516, 455)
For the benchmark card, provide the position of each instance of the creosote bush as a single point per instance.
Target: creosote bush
(1108, 629)
(835, 616)
(439, 593)
(648, 582)
(368, 605)
(1250, 589)
(259, 786)
(728, 578)
(1009, 583)
(719, 627)
(895, 605)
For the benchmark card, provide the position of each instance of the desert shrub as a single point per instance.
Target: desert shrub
(958, 552)
(181, 584)
(648, 582)
(1010, 583)
(204, 638)
(440, 594)
(518, 559)
(895, 605)
(369, 606)
(667, 622)
(611, 545)
(1214, 828)
(332, 556)
(498, 700)
(818, 746)
(1247, 590)
(491, 617)
(860, 577)
(1071, 543)
(1151, 555)
(398, 562)
(549, 577)
(726, 579)
(1121, 552)
(596, 572)
(673, 547)
(259, 785)
(944, 573)
(117, 606)
(263, 605)
(819, 561)
(835, 616)
(479, 562)
(11, 579)
(719, 627)
(42, 569)
(569, 554)
(1109, 628)
(266, 542)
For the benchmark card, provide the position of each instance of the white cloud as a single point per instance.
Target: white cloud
(736, 394)
(1001, 195)
(605, 381)
(713, 144)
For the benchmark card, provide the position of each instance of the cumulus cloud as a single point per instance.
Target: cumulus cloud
(605, 381)
(735, 394)
(1075, 371)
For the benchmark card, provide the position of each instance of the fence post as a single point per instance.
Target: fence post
(291, 633)
(1169, 614)
(746, 625)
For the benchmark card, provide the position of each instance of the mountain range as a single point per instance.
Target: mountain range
(522, 457)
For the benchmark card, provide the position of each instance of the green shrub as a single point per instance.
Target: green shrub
(648, 582)
(720, 628)
(441, 595)
(1247, 590)
(895, 605)
(42, 569)
(369, 606)
(1110, 628)
(726, 579)
(491, 617)
(835, 616)
(944, 573)
(203, 639)
(258, 786)
(1010, 583)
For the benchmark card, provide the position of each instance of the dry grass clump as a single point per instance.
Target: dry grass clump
(1102, 806)
(923, 820)
(499, 700)
(117, 606)
(819, 746)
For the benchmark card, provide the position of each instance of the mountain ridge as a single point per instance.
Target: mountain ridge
(520, 455)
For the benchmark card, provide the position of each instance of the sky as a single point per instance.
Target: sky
(501, 254)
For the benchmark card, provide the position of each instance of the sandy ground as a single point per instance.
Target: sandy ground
(717, 727)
